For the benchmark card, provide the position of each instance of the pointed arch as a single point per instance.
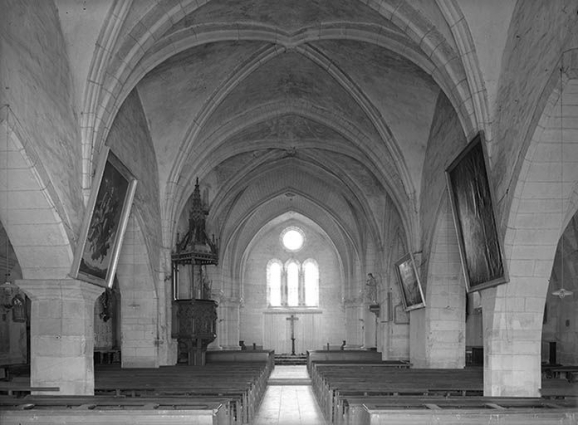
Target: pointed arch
(274, 282)
(30, 210)
(311, 282)
(293, 272)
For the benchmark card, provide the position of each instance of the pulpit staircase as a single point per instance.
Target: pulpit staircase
(290, 359)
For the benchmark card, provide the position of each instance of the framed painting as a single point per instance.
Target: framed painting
(480, 247)
(105, 221)
(411, 290)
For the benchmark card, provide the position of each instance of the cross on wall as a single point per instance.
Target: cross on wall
(292, 319)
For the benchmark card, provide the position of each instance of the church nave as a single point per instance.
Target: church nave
(289, 404)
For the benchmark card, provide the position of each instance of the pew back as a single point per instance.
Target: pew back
(73, 410)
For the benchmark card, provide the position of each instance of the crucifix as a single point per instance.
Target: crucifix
(292, 319)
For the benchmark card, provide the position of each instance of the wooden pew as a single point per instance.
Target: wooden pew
(17, 388)
(82, 410)
(337, 385)
(224, 356)
(236, 380)
(247, 356)
(378, 414)
(355, 409)
(243, 382)
(338, 356)
(8, 370)
(332, 383)
(106, 355)
(570, 372)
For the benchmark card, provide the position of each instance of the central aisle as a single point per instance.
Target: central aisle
(287, 401)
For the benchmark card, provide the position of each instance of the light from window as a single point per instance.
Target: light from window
(275, 284)
(311, 279)
(292, 240)
(292, 285)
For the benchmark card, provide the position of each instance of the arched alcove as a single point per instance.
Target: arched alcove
(316, 325)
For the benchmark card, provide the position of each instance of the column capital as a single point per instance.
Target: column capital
(38, 289)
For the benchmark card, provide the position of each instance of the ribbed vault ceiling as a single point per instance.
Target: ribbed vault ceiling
(327, 127)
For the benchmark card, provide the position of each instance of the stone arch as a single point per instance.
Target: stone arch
(447, 66)
(544, 201)
(467, 51)
(30, 209)
(94, 93)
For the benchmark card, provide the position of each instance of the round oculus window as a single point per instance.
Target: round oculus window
(292, 239)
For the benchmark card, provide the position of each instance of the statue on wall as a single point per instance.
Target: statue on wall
(207, 285)
(18, 309)
(371, 291)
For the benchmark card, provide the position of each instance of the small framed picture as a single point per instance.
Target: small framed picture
(411, 290)
(105, 221)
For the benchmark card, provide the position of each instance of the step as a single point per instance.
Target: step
(289, 381)
(288, 359)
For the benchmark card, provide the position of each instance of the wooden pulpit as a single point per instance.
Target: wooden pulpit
(197, 322)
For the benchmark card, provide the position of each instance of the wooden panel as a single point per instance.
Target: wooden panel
(206, 416)
(277, 332)
(467, 417)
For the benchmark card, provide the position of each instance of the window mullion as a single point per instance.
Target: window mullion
(284, 286)
(301, 286)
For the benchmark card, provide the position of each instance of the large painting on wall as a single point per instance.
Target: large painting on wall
(480, 248)
(104, 222)
(411, 291)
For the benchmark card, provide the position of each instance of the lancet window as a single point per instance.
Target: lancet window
(293, 284)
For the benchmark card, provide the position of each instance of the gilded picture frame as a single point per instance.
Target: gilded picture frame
(105, 221)
(480, 247)
(409, 283)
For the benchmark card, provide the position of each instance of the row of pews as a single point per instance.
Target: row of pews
(371, 391)
(226, 391)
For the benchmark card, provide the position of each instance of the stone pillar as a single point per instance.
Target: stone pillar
(512, 343)
(62, 334)
(418, 339)
(228, 321)
(442, 327)
(167, 350)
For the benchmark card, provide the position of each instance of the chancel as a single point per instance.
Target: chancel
(208, 206)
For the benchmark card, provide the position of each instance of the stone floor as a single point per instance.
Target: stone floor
(290, 404)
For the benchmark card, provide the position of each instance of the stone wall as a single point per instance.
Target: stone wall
(37, 87)
(139, 302)
(318, 329)
(396, 332)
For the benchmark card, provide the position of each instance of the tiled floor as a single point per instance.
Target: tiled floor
(289, 404)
